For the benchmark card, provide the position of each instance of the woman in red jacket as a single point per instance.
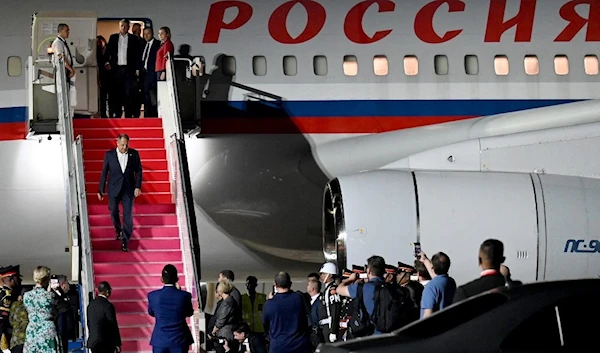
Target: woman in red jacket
(166, 47)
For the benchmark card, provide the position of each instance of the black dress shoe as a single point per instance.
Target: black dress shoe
(124, 248)
(119, 235)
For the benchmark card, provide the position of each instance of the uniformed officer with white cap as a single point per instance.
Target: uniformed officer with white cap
(329, 314)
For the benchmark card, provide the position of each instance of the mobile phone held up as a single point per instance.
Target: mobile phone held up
(417, 249)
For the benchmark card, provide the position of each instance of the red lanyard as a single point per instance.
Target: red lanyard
(490, 272)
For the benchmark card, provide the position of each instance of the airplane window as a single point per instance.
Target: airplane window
(290, 65)
(501, 65)
(320, 65)
(441, 64)
(14, 66)
(561, 65)
(229, 65)
(411, 65)
(259, 65)
(350, 65)
(591, 64)
(380, 65)
(532, 65)
(471, 64)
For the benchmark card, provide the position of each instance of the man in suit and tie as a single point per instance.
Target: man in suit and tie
(123, 60)
(170, 306)
(104, 336)
(149, 74)
(124, 168)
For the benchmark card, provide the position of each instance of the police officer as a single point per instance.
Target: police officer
(9, 278)
(329, 314)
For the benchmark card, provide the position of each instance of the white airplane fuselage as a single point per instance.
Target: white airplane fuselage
(342, 69)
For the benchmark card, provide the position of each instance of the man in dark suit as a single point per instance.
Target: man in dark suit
(104, 336)
(149, 73)
(170, 306)
(124, 168)
(491, 257)
(123, 60)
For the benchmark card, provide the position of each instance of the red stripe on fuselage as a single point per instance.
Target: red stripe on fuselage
(13, 131)
(320, 125)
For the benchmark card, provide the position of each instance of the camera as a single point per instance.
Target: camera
(360, 271)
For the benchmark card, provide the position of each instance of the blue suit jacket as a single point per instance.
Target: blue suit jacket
(170, 306)
(117, 181)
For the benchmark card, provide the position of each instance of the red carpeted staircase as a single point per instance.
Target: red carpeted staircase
(155, 241)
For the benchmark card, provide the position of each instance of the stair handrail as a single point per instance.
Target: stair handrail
(173, 95)
(86, 279)
(65, 123)
(188, 229)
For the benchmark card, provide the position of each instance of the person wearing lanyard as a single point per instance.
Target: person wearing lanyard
(491, 257)
(61, 49)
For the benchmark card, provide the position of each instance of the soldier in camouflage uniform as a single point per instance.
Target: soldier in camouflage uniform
(10, 280)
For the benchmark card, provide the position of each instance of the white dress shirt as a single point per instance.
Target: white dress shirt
(122, 52)
(59, 46)
(146, 54)
(314, 298)
(123, 158)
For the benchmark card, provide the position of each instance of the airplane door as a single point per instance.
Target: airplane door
(82, 44)
(572, 206)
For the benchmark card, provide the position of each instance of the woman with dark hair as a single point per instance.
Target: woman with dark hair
(166, 49)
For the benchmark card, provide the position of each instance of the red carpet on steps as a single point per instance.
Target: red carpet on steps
(155, 241)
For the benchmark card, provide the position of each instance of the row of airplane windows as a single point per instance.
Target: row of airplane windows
(381, 65)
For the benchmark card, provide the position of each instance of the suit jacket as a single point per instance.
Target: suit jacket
(102, 324)
(170, 306)
(119, 181)
(151, 56)
(226, 318)
(478, 286)
(133, 52)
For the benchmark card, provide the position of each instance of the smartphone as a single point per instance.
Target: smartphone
(274, 290)
(417, 249)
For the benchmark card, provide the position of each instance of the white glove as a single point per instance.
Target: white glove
(332, 337)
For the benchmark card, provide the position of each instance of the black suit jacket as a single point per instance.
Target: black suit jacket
(119, 181)
(102, 324)
(133, 52)
(478, 286)
(151, 56)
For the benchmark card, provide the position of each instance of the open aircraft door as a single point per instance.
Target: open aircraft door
(82, 43)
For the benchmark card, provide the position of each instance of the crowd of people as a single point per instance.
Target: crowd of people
(129, 66)
(40, 319)
(370, 300)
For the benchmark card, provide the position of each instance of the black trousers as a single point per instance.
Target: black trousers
(120, 92)
(150, 107)
(104, 350)
(113, 204)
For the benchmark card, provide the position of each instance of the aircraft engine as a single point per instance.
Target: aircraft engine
(548, 223)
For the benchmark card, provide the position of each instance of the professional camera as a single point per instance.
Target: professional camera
(361, 271)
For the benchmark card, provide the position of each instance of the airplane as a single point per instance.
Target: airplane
(343, 74)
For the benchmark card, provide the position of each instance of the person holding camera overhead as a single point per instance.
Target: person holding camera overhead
(40, 336)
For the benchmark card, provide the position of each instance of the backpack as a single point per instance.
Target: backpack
(359, 324)
(393, 307)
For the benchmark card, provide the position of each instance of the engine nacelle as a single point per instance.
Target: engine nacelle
(549, 224)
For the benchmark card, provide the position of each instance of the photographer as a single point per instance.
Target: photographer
(65, 318)
(247, 341)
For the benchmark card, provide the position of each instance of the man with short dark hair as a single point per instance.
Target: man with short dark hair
(491, 257)
(286, 319)
(439, 292)
(148, 76)
(248, 341)
(124, 168)
(235, 293)
(104, 336)
(253, 304)
(170, 306)
(61, 49)
(350, 287)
